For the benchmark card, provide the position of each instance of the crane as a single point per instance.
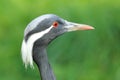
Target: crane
(37, 36)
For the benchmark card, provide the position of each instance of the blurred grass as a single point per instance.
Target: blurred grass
(81, 55)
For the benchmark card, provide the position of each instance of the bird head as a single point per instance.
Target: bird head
(42, 30)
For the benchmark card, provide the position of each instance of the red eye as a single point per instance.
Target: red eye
(55, 24)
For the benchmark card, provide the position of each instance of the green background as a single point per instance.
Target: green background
(80, 55)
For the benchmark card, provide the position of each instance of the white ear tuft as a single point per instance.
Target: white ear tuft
(27, 47)
(26, 56)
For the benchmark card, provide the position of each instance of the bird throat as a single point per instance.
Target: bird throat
(41, 60)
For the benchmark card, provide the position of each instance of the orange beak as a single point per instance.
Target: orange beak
(75, 26)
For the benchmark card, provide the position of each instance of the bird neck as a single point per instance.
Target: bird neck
(41, 60)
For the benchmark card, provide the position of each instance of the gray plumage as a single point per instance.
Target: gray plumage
(38, 34)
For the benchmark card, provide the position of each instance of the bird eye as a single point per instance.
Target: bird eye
(55, 24)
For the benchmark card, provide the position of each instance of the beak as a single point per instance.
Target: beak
(70, 26)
